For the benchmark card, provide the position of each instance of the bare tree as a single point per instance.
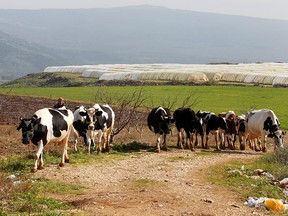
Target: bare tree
(172, 102)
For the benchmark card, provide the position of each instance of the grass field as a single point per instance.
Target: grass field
(212, 98)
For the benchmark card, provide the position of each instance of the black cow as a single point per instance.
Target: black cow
(241, 131)
(186, 120)
(159, 120)
(212, 124)
(47, 125)
(95, 121)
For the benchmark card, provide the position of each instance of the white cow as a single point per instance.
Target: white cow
(98, 121)
(264, 123)
(47, 125)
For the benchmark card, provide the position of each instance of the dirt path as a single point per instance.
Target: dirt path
(169, 183)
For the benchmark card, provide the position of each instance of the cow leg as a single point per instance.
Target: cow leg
(207, 140)
(228, 139)
(88, 144)
(164, 142)
(191, 136)
(233, 140)
(65, 157)
(179, 139)
(242, 141)
(222, 137)
(158, 143)
(196, 139)
(99, 147)
(41, 163)
(264, 148)
(216, 135)
(252, 144)
(37, 156)
(256, 144)
(108, 138)
(76, 137)
(202, 140)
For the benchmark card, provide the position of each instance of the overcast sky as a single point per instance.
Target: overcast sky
(276, 9)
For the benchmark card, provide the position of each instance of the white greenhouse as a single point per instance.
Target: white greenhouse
(255, 73)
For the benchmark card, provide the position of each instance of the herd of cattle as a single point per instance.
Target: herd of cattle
(55, 125)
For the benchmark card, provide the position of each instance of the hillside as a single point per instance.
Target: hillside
(138, 34)
(18, 57)
(50, 80)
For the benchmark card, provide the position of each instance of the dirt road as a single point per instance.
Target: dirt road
(169, 183)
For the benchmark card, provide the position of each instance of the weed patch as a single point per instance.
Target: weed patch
(131, 147)
(276, 163)
(14, 163)
(240, 178)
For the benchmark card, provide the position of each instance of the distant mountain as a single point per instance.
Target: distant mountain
(139, 34)
(17, 57)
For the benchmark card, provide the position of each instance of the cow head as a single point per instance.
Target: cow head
(274, 131)
(28, 126)
(278, 137)
(90, 117)
(164, 120)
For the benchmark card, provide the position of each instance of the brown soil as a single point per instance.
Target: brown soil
(145, 183)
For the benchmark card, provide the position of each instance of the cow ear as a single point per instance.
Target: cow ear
(20, 125)
(98, 113)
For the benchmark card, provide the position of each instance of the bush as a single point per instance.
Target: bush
(276, 163)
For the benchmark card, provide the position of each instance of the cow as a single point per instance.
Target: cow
(99, 121)
(159, 121)
(232, 128)
(47, 125)
(241, 131)
(79, 124)
(264, 123)
(212, 124)
(202, 115)
(186, 120)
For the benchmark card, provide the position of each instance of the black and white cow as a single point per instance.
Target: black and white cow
(264, 123)
(79, 124)
(186, 120)
(202, 116)
(159, 121)
(47, 125)
(241, 130)
(98, 121)
(232, 129)
(212, 124)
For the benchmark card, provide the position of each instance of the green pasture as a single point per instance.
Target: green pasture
(211, 98)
